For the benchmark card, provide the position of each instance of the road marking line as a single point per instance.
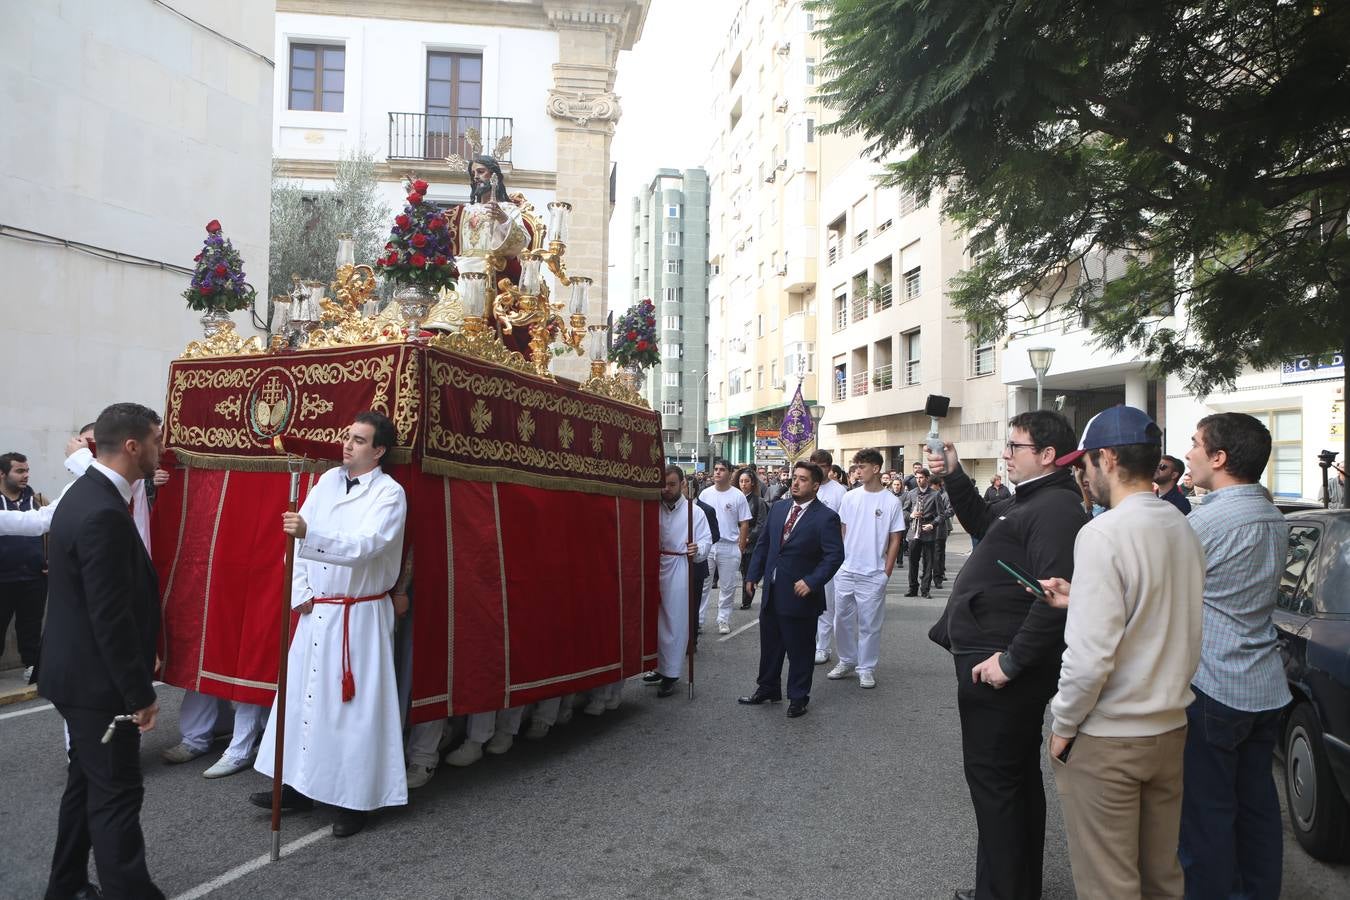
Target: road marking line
(252, 865)
(43, 708)
(723, 640)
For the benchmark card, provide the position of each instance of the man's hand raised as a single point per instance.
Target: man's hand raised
(944, 463)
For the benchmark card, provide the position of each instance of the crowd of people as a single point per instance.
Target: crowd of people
(1160, 743)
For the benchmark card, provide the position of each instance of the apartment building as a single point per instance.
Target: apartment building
(891, 336)
(417, 81)
(763, 240)
(670, 266)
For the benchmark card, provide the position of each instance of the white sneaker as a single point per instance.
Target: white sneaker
(724, 628)
(867, 680)
(499, 743)
(180, 753)
(564, 713)
(466, 754)
(419, 775)
(224, 767)
(595, 708)
(615, 701)
(27, 675)
(537, 731)
(822, 657)
(841, 670)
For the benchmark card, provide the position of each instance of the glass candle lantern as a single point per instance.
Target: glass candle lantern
(559, 220)
(530, 274)
(596, 347)
(346, 252)
(581, 296)
(473, 293)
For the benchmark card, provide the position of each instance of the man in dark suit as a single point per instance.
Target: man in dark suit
(98, 659)
(799, 549)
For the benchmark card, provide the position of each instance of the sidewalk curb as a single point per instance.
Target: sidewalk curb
(22, 695)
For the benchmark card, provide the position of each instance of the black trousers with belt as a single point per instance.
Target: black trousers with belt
(793, 637)
(920, 554)
(101, 810)
(25, 602)
(1001, 748)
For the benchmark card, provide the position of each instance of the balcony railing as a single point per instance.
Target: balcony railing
(860, 238)
(913, 375)
(833, 254)
(884, 297)
(422, 136)
(860, 307)
(841, 318)
(860, 383)
(881, 378)
(840, 387)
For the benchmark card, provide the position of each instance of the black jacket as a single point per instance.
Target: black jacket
(701, 569)
(989, 611)
(98, 647)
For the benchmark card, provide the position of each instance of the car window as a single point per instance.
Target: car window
(1302, 559)
(1334, 595)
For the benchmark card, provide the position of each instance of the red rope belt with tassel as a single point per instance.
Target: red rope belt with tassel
(348, 679)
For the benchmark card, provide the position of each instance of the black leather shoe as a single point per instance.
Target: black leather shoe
(88, 892)
(911, 593)
(348, 822)
(291, 799)
(667, 687)
(652, 677)
(745, 606)
(938, 585)
(797, 708)
(759, 697)
(964, 895)
(926, 595)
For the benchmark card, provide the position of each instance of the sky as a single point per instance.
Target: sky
(665, 95)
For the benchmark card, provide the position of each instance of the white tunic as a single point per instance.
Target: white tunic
(672, 628)
(344, 754)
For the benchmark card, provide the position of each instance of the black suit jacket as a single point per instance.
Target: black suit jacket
(813, 552)
(98, 647)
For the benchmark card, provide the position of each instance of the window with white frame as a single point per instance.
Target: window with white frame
(673, 295)
(981, 358)
(800, 359)
(672, 239)
(673, 323)
(672, 212)
(674, 267)
(672, 351)
(759, 378)
(670, 407)
(909, 201)
(734, 381)
(913, 374)
(670, 379)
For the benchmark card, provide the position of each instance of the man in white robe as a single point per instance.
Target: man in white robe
(677, 554)
(344, 743)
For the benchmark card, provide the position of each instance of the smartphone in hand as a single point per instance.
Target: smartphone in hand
(1021, 575)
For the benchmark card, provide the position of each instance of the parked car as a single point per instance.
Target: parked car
(1312, 620)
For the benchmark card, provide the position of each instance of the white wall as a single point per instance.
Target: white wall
(386, 72)
(125, 127)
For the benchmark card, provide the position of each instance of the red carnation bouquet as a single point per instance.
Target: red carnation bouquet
(418, 251)
(635, 337)
(218, 280)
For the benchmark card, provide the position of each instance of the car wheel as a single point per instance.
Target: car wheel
(1317, 811)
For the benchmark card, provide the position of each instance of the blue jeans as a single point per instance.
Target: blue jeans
(1232, 834)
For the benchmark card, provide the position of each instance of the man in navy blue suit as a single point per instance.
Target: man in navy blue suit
(800, 548)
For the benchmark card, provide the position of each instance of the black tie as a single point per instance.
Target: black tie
(351, 483)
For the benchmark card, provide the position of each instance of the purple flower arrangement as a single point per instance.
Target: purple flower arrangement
(218, 280)
(418, 251)
(635, 337)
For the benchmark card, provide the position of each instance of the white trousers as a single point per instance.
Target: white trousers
(198, 717)
(424, 741)
(672, 624)
(726, 557)
(249, 721)
(859, 609)
(482, 726)
(825, 624)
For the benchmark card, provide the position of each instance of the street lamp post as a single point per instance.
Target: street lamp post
(1040, 364)
(698, 417)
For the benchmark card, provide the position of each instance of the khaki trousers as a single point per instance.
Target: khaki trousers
(1122, 810)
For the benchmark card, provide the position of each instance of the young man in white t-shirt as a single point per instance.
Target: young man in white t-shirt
(873, 523)
(831, 494)
(733, 524)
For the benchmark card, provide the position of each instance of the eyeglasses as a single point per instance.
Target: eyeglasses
(1012, 446)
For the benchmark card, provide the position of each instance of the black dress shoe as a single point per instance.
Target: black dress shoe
(759, 697)
(667, 687)
(291, 799)
(968, 894)
(348, 822)
(796, 708)
(745, 605)
(911, 593)
(652, 677)
(88, 892)
(937, 584)
(926, 595)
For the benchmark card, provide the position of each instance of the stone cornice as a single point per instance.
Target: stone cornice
(436, 170)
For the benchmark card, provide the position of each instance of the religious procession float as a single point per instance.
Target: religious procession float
(532, 499)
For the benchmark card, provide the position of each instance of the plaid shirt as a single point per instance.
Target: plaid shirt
(1246, 540)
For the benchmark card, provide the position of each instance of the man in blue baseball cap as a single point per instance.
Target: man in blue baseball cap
(1132, 645)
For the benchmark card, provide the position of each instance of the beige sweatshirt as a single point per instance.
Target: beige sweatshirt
(1133, 634)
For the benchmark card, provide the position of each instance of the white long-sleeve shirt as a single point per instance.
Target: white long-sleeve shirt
(37, 522)
(1133, 633)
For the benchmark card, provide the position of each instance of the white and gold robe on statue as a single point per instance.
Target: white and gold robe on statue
(347, 754)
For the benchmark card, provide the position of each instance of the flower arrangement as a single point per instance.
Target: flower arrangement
(218, 279)
(635, 337)
(418, 251)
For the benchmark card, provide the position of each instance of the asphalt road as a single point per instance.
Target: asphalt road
(863, 797)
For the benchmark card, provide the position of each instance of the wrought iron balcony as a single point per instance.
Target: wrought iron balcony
(422, 136)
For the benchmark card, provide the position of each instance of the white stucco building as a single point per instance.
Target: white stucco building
(127, 127)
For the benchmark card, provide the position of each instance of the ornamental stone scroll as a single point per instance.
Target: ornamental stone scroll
(583, 108)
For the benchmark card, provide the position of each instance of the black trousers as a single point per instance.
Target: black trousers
(940, 560)
(1001, 748)
(25, 602)
(746, 599)
(920, 552)
(793, 637)
(101, 810)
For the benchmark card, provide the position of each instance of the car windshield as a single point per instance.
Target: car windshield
(1336, 555)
